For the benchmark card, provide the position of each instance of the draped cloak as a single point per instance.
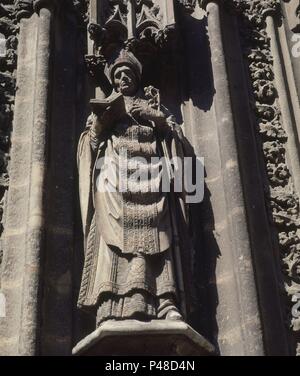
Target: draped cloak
(128, 236)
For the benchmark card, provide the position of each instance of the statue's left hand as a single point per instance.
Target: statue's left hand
(147, 113)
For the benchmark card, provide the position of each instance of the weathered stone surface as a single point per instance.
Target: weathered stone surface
(8, 64)
(230, 75)
(17, 200)
(275, 114)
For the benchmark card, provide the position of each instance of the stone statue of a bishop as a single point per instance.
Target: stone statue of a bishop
(137, 253)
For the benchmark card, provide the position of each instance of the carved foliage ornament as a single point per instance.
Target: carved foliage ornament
(256, 10)
(24, 8)
(280, 194)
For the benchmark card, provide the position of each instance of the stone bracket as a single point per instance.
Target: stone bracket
(132, 337)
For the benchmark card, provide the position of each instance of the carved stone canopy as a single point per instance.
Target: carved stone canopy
(143, 27)
(119, 21)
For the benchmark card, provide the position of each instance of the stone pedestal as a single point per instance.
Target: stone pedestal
(132, 337)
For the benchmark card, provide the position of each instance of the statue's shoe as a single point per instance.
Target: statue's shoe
(174, 315)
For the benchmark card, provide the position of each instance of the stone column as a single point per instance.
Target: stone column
(35, 229)
(291, 22)
(24, 233)
(238, 317)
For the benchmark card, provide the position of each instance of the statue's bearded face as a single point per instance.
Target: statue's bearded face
(125, 80)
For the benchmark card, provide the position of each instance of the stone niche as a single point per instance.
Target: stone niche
(224, 71)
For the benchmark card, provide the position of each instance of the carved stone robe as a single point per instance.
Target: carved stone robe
(129, 268)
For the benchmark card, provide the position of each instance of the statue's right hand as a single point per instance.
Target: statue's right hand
(106, 117)
(101, 122)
